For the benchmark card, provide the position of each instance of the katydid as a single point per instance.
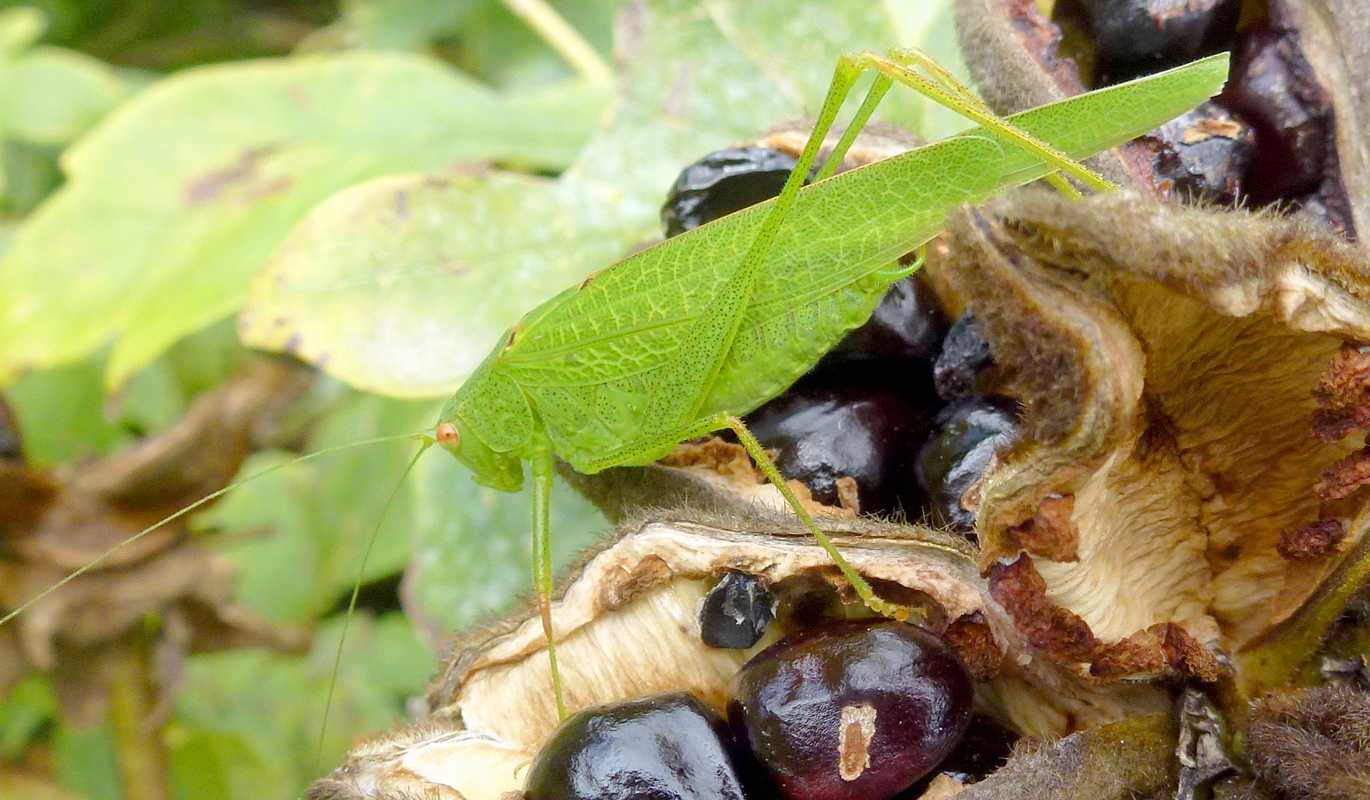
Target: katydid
(684, 338)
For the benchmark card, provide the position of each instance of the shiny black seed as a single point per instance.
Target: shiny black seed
(859, 709)
(908, 326)
(723, 182)
(830, 426)
(736, 612)
(1136, 37)
(965, 354)
(668, 747)
(1204, 154)
(965, 437)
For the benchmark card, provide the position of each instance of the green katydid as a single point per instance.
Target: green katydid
(684, 338)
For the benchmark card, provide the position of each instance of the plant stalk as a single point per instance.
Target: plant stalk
(563, 38)
(139, 748)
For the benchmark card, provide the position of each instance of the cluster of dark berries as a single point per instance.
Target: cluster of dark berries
(893, 406)
(1268, 138)
(856, 709)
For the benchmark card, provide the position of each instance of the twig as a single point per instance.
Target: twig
(563, 38)
(139, 752)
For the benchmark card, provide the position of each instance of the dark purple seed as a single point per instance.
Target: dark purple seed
(966, 435)
(736, 612)
(1273, 86)
(1203, 154)
(908, 325)
(826, 428)
(859, 709)
(723, 182)
(668, 747)
(965, 354)
(1136, 37)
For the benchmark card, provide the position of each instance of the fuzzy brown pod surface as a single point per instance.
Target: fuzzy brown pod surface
(1193, 389)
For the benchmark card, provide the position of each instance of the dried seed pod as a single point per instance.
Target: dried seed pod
(491, 708)
(1174, 364)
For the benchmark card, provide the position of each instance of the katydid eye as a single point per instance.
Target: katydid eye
(448, 434)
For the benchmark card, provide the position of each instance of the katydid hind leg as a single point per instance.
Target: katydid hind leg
(543, 469)
(859, 584)
(943, 89)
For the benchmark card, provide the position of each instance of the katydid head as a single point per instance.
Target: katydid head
(502, 471)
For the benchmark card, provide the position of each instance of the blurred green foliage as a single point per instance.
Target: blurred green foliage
(161, 210)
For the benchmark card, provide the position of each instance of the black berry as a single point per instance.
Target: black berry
(826, 428)
(965, 437)
(907, 326)
(723, 182)
(858, 709)
(736, 612)
(965, 354)
(668, 747)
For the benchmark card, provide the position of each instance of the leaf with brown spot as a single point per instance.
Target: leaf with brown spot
(362, 277)
(179, 202)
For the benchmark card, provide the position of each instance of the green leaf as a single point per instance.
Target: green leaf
(181, 196)
(23, 711)
(19, 28)
(61, 414)
(321, 514)
(406, 299)
(401, 284)
(217, 764)
(401, 24)
(28, 174)
(85, 761)
(64, 413)
(50, 96)
(499, 47)
(473, 554)
(276, 702)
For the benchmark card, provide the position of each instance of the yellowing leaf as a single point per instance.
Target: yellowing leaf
(403, 286)
(173, 202)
